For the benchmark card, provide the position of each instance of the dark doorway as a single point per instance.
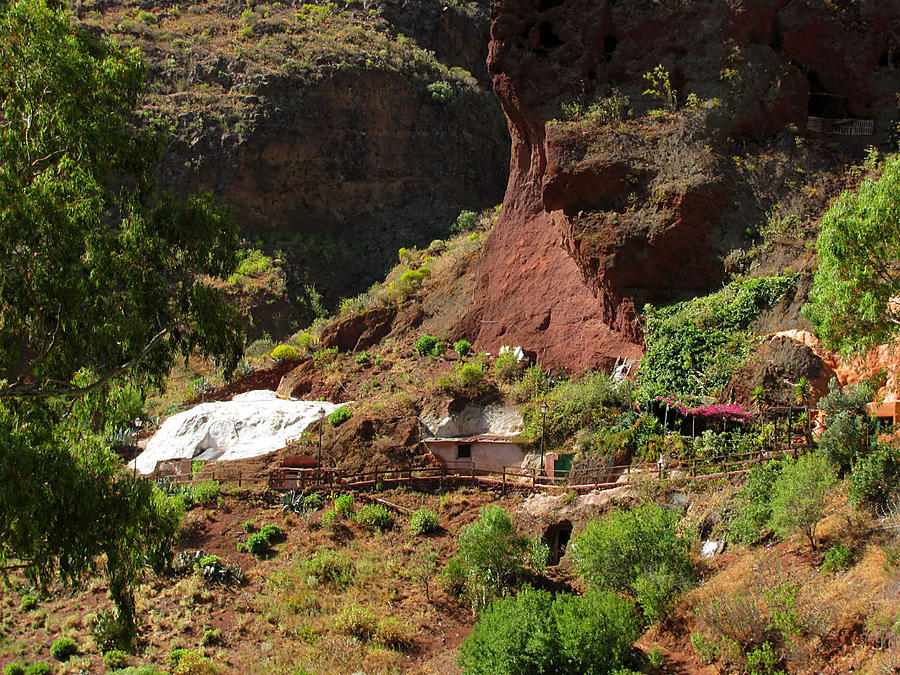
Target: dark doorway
(557, 539)
(464, 451)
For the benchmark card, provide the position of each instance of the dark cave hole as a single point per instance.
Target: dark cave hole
(610, 42)
(888, 59)
(549, 39)
(557, 539)
(549, 4)
(823, 103)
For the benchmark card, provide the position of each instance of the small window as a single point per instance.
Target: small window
(464, 451)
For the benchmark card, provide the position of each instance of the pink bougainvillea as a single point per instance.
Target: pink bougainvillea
(711, 410)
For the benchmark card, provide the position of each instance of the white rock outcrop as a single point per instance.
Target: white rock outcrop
(249, 425)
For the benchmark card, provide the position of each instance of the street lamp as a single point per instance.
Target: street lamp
(319, 459)
(544, 409)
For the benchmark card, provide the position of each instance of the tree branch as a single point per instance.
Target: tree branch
(25, 391)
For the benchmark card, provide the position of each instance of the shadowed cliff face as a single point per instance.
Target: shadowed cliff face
(620, 205)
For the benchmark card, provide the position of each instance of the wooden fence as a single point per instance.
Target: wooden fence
(492, 476)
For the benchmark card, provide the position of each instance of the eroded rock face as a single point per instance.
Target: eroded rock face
(624, 206)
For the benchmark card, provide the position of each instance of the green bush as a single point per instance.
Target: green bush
(465, 379)
(331, 567)
(141, 670)
(394, 632)
(837, 558)
(343, 504)
(506, 367)
(193, 663)
(108, 632)
(442, 92)
(425, 344)
(15, 668)
(594, 400)
(115, 659)
(493, 555)
(639, 551)
(28, 603)
(453, 576)
(764, 661)
(357, 621)
(211, 637)
(466, 221)
(537, 633)
(846, 423)
(875, 477)
(531, 386)
(375, 517)
(258, 544)
(462, 348)
(798, 497)
(63, 649)
(285, 353)
(424, 521)
(707, 335)
(39, 668)
(361, 357)
(340, 415)
(207, 492)
(329, 518)
(752, 503)
(249, 526)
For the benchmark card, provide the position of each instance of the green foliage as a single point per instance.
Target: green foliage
(115, 659)
(191, 662)
(464, 380)
(108, 632)
(660, 87)
(875, 477)
(589, 402)
(39, 668)
(207, 492)
(211, 637)
(331, 567)
(425, 344)
(798, 498)
(250, 263)
(102, 271)
(375, 517)
(361, 357)
(462, 348)
(28, 603)
(837, 558)
(249, 526)
(506, 367)
(329, 519)
(846, 422)
(424, 521)
(537, 633)
(442, 92)
(340, 415)
(704, 338)
(753, 503)
(285, 353)
(453, 576)
(492, 554)
(63, 649)
(466, 221)
(259, 543)
(532, 385)
(343, 504)
(764, 661)
(850, 301)
(640, 551)
(15, 668)
(409, 282)
(356, 620)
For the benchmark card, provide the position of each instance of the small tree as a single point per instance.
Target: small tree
(798, 500)
(846, 423)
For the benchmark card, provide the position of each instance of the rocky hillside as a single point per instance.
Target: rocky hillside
(337, 133)
(659, 147)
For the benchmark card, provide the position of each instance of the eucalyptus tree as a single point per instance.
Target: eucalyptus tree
(102, 279)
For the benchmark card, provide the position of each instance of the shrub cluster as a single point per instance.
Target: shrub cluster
(260, 543)
(343, 504)
(640, 551)
(375, 517)
(424, 521)
(462, 348)
(537, 633)
(330, 567)
(340, 415)
(63, 649)
(464, 379)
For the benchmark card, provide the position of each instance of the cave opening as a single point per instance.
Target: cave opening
(548, 38)
(549, 4)
(888, 59)
(610, 42)
(557, 539)
(823, 103)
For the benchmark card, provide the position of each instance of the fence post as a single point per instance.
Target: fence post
(473, 471)
(239, 479)
(533, 479)
(503, 489)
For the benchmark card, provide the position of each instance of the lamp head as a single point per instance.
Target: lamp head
(544, 407)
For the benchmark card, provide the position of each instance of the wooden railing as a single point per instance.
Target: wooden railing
(502, 477)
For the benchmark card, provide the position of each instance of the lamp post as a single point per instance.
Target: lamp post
(544, 409)
(319, 459)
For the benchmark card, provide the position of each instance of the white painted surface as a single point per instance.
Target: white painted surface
(251, 424)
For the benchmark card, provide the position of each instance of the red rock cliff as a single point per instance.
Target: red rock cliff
(622, 206)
